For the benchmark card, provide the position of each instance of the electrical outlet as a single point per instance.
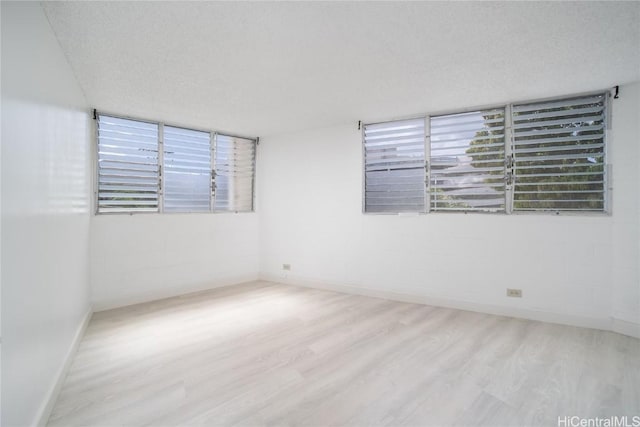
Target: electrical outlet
(514, 293)
(286, 267)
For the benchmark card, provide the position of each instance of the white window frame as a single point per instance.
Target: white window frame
(509, 147)
(212, 140)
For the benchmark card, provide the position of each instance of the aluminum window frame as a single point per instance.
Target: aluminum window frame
(557, 144)
(96, 160)
(502, 160)
(255, 142)
(364, 171)
(212, 135)
(509, 149)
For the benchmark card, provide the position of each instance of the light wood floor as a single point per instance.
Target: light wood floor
(269, 354)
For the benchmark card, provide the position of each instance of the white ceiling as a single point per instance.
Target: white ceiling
(272, 67)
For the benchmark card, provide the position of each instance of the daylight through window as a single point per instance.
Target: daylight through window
(542, 156)
(151, 167)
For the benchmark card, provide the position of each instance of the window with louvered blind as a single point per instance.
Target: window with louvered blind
(559, 155)
(187, 170)
(128, 172)
(467, 161)
(151, 167)
(533, 156)
(394, 162)
(235, 163)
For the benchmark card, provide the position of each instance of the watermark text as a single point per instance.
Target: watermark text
(613, 421)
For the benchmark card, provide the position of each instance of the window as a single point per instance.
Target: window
(234, 174)
(467, 161)
(542, 156)
(151, 167)
(559, 157)
(128, 173)
(394, 166)
(187, 170)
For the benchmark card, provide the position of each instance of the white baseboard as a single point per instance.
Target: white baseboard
(542, 316)
(157, 294)
(52, 395)
(625, 327)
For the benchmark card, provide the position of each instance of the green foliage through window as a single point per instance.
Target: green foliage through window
(559, 155)
(543, 156)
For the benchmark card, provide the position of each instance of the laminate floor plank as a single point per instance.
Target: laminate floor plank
(269, 354)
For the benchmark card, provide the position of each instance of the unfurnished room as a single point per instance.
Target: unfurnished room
(320, 213)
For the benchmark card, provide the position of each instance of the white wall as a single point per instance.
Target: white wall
(626, 204)
(143, 257)
(45, 219)
(567, 266)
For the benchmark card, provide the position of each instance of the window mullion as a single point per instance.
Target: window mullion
(509, 165)
(96, 162)
(427, 164)
(608, 168)
(212, 193)
(160, 167)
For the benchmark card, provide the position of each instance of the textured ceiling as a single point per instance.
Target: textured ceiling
(272, 67)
